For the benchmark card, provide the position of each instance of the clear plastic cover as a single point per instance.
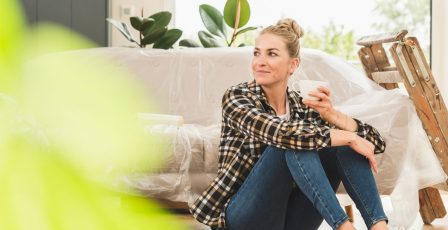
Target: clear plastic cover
(191, 82)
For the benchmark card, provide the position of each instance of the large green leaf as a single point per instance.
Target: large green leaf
(208, 40)
(246, 30)
(213, 20)
(188, 43)
(161, 21)
(154, 36)
(122, 27)
(47, 186)
(168, 39)
(147, 23)
(136, 22)
(12, 40)
(231, 13)
(162, 18)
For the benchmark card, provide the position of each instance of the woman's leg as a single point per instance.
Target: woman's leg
(301, 213)
(262, 199)
(359, 183)
(308, 173)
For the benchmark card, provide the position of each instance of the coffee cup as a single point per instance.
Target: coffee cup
(307, 86)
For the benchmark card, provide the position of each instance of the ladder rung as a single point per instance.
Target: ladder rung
(389, 68)
(381, 38)
(387, 77)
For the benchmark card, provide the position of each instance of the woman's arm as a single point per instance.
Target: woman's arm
(342, 121)
(364, 130)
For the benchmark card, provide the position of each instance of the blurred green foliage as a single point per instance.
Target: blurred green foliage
(68, 124)
(412, 15)
(334, 39)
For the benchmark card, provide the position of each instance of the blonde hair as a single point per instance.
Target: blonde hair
(290, 31)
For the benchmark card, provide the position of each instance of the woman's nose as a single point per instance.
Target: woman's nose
(261, 61)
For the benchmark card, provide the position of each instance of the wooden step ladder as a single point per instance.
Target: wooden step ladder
(412, 69)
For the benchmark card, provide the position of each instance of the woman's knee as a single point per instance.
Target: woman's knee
(345, 149)
(347, 153)
(274, 153)
(302, 159)
(273, 149)
(301, 155)
(274, 158)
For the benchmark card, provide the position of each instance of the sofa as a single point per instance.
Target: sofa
(187, 85)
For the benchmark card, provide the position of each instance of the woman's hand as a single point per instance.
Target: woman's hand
(365, 148)
(357, 143)
(323, 106)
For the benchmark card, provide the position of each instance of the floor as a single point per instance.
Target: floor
(439, 224)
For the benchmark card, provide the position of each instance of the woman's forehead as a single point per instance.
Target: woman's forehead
(269, 41)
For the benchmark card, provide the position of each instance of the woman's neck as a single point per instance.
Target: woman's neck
(276, 96)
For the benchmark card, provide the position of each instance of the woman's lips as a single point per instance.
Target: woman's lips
(262, 71)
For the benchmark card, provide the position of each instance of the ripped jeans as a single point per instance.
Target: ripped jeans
(269, 199)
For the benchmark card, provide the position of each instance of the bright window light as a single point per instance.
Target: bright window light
(332, 26)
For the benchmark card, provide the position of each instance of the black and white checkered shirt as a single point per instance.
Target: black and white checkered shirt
(249, 124)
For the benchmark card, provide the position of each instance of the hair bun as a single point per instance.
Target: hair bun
(290, 31)
(291, 25)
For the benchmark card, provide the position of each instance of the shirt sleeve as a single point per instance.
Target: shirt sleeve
(240, 112)
(369, 133)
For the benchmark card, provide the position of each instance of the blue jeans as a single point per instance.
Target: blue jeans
(269, 198)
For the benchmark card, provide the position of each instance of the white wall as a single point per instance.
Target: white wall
(439, 45)
(117, 11)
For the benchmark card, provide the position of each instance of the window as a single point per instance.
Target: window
(332, 26)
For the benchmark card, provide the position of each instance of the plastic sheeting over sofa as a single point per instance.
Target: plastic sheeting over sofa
(191, 82)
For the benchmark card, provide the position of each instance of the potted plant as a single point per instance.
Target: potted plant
(236, 15)
(152, 30)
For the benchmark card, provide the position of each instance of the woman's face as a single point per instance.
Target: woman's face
(271, 63)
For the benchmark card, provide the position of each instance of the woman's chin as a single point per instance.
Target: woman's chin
(262, 80)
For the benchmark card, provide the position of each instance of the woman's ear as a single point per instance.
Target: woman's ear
(294, 65)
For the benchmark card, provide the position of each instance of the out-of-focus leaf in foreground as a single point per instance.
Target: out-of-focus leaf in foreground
(11, 34)
(66, 123)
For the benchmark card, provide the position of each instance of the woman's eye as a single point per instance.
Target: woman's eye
(256, 53)
(272, 54)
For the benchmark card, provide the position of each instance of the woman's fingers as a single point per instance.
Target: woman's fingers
(366, 149)
(324, 89)
(314, 103)
(370, 154)
(322, 96)
(373, 163)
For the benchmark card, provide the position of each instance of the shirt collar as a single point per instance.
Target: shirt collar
(295, 100)
(257, 90)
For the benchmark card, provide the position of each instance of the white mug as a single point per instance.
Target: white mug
(306, 86)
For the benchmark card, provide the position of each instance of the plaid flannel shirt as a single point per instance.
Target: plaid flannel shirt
(249, 124)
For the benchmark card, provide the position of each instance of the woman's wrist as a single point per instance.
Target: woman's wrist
(339, 120)
(342, 121)
(352, 139)
(342, 137)
(334, 117)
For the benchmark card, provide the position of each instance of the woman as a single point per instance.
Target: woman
(281, 157)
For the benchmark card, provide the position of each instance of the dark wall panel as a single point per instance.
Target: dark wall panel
(89, 18)
(30, 10)
(58, 11)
